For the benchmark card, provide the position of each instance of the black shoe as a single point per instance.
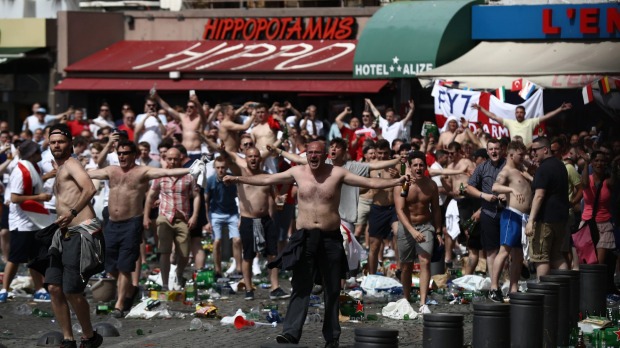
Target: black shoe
(317, 289)
(332, 344)
(278, 294)
(249, 295)
(496, 296)
(92, 342)
(68, 344)
(397, 274)
(286, 338)
(117, 313)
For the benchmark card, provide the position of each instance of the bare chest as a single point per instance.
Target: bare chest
(190, 123)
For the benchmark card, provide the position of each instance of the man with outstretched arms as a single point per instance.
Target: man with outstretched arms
(129, 183)
(318, 233)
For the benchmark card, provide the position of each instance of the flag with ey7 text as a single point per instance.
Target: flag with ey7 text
(457, 103)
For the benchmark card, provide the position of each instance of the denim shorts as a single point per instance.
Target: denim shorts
(218, 221)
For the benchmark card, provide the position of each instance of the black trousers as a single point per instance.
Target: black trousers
(322, 251)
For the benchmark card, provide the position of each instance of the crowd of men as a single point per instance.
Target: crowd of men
(278, 181)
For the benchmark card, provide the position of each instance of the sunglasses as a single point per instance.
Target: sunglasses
(247, 144)
(124, 153)
(190, 106)
(537, 148)
(150, 105)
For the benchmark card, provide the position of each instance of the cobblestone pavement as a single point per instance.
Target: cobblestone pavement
(24, 330)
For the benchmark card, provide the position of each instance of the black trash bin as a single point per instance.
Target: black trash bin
(442, 330)
(563, 306)
(526, 320)
(592, 288)
(573, 306)
(491, 325)
(551, 291)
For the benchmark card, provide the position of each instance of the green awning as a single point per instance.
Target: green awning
(11, 53)
(409, 37)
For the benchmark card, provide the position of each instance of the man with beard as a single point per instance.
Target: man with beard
(520, 125)
(511, 181)
(129, 183)
(256, 228)
(419, 215)
(73, 190)
(318, 233)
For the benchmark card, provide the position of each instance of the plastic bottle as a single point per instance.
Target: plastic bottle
(195, 324)
(23, 309)
(77, 328)
(313, 318)
(580, 341)
(190, 291)
(41, 313)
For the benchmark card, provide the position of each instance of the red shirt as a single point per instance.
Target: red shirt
(129, 131)
(77, 127)
(175, 195)
(349, 135)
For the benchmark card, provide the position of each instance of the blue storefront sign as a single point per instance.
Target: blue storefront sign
(547, 22)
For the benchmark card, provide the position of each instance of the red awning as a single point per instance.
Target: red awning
(221, 56)
(303, 86)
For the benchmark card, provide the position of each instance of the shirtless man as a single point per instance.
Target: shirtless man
(129, 183)
(73, 190)
(229, 130)
(456, 133)
(382, 221)
(419, 215)
(511, 181)
(455, 187)
(318, 233)
(192, 120)
(254, 203)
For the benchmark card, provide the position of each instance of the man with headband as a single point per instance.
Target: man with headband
(74, 191)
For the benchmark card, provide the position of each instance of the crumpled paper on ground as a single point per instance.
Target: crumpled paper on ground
(473, 282)
(22, 283)
(139, 311)
(372, 282)
(398, 309)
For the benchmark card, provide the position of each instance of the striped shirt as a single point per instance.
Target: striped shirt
(175, 195)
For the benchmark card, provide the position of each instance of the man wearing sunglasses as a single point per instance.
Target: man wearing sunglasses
(128, 183)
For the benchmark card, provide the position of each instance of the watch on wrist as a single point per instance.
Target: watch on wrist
(73, 212)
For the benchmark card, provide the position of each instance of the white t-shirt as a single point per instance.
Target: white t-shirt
(437, 180)
(318, 124)
(151, 133)
(94, 127)
(48, 186)
(391, 132)
(18, 220)
(33, 122)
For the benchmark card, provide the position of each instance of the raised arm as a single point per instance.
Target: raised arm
(489, 114)
(262, 179)
(244, 107)
(109, 147)
(445, 171)
(409, 113)
(155, 173)
(563, 107)
(295, 112)
(340, 118)
(373, 109)
(288, 155)
(168, 108)
(213, 114)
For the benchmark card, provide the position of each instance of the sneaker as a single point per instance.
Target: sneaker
(286, 338)
(278, 294)
(525, 272)
(249, 295)
(233, 267)
(424, 310)
(92, 342)
(496, 296)
(388, 253)
(4, 295)
(256, 269)
(68, 344)
(42, 296)
(117, 313)
(317, 289)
